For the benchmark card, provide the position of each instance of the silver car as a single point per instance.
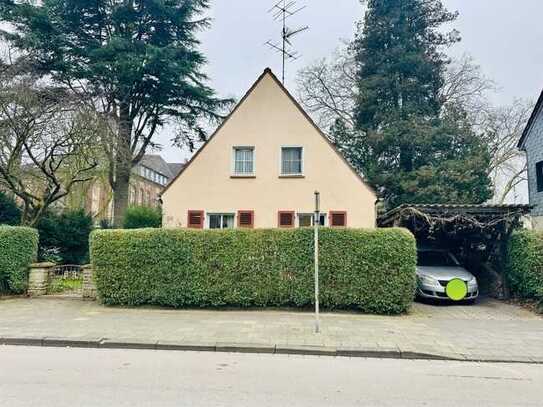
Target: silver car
(435, 269)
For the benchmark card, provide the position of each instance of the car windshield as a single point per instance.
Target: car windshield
(435, 258)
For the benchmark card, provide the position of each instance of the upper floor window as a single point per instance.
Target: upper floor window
(539, 175)
(244, 161)
(291, 161)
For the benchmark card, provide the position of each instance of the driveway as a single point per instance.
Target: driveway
(489, 331)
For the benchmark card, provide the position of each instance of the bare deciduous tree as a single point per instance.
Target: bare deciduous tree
(467, 86)
(47, 141)
(327, 90)
(502, 128)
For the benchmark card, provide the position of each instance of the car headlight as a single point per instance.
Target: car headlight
(472, 281)
(428, 280)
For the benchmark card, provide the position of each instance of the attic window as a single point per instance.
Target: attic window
(195, 219)
(338, 218)
(539, 175)
(285, 219)
(246, 219)
(244, 161)
(291, 161)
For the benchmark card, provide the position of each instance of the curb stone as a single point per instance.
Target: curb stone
(392, 353)
(185, 346)
(428, 356)
(128, 344)
(305, 350)
(244, 348)
(29, 341)
(379, 353)
(70, 343)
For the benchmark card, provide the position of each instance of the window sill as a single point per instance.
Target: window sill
(242, 176)
(292, 176)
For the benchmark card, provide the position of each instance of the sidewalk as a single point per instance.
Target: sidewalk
(488, 331)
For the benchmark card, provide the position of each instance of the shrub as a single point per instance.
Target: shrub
(10, 214)
(64, 237)
(369, 270)
(18, 249)
(524, 268)
(138, 217)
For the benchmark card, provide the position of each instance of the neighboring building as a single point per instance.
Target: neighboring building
(532, 143)
(148, 180)
(261, 168)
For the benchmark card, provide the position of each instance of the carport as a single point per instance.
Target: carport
(476, 234)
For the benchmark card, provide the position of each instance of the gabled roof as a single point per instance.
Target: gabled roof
(269, 72)
(531, 121)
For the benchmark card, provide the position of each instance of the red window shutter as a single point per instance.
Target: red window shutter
(195, 219)
(338, 219)
(246, 219)
(285, 219)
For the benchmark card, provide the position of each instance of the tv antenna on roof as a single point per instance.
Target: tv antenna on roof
(281, 11)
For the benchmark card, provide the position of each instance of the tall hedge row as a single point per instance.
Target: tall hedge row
(525, 265)
(369, 270)
(18, 249)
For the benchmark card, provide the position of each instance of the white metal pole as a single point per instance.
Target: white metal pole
(316, 244)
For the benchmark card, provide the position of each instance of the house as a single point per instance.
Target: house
(148, 180)
(532, 143)
(260, 169)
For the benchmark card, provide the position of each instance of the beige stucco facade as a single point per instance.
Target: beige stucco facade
(268, 119)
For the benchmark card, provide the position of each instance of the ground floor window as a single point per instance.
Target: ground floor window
(306, 220)
(195, 219)
(246, 219)
(338, 218)
(286, 219)
(220, 220)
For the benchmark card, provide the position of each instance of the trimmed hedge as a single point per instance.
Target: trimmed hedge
(18, 249)
(137, 217)
(525, 265)
(369, 270)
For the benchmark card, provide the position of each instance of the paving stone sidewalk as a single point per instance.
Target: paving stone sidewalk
(488, 331)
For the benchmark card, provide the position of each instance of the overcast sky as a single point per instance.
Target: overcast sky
(503, 36)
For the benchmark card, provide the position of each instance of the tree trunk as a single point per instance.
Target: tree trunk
(123, 167)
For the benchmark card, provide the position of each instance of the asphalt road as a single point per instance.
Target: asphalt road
(102, 377)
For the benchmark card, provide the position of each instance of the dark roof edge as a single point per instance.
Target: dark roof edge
(189, 162)
(531, 120)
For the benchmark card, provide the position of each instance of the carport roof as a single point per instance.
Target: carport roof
(449, 210)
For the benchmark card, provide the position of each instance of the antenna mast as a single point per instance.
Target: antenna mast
(281, 11)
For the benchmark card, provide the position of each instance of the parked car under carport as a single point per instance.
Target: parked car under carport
(438, 271)
(477, 234)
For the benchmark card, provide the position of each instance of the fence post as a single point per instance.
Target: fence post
(38, 278)
(89, 288)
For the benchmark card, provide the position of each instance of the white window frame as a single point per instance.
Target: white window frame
(233, 165)
(312, 214)
(221, 214)
(301, 174)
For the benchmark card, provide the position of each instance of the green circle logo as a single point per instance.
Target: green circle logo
(456, 289)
